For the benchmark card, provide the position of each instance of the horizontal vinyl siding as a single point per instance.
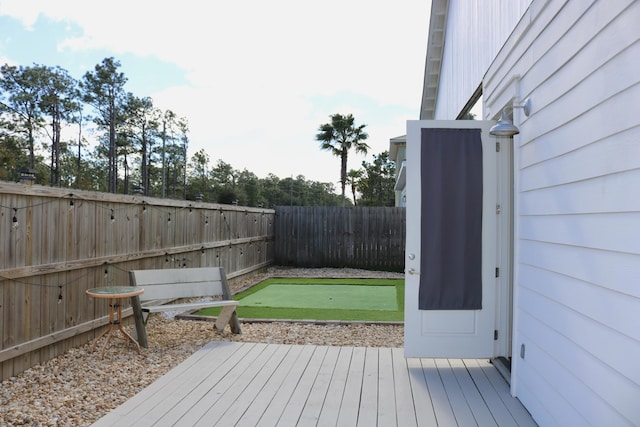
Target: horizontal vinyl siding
(586, 368)
(611, 270)
(608, 232)
(609, 153)
(601, 194)
(563, 384)
(591, 63)
(585, 321)
(473, 38)
(578, 203)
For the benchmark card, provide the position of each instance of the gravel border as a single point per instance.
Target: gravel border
(77, 388)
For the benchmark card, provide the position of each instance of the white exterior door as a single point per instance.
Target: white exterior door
(450, 333)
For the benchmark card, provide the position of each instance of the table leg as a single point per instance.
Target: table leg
(115, 317)
(113, 303)
(106, 331)
(125, 333)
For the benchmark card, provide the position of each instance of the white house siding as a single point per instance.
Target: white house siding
(577, 203)
(473, 37)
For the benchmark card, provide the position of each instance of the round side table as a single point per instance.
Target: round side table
(114, 294)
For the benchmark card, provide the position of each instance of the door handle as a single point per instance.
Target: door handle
(413, 271)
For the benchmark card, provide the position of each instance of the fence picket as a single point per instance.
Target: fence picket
(371, 238)
(64, 243)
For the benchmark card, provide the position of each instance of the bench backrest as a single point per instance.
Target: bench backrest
(180, 283)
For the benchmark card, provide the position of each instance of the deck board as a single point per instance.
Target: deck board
(471, 393)
(282, 395)
(335, 394)
(257, 407)
(517, 411)
(350, 405)
(252, 384)
(441, 404)
(213, 386)
(422, 400)
(210, 408)
(369, 392)
(232, 404)
(253, 389)
(405, 407)
(313, 406)
(498, 409)
(459, 405)
(386, 390)
(296, 404)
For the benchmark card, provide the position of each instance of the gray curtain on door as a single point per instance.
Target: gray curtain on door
(451, 223)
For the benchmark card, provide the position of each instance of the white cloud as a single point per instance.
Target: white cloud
(255, 68)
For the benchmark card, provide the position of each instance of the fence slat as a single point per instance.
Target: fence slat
(371, 238)
(64, 243)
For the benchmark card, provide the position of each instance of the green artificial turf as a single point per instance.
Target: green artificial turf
(321, 299)
(341, 297)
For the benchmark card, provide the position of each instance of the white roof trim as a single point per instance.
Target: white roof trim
(393, 145)
(433, 63)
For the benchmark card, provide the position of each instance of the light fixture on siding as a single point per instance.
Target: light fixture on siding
(505, 126)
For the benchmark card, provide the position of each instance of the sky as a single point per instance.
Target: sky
(254, 79)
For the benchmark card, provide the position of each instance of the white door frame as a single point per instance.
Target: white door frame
(504, 248)
(454, 333)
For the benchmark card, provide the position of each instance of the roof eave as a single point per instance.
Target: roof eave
(433, 62)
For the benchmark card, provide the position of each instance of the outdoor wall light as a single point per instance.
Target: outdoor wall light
(505, 126)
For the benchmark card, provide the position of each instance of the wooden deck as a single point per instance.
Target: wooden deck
(252, 384)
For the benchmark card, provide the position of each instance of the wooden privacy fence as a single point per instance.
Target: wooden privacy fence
(57, 243)
(371, 238)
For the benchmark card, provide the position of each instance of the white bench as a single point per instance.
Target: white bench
(163, 287)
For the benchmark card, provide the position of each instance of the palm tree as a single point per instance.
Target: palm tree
(339, 137)
(354, 180)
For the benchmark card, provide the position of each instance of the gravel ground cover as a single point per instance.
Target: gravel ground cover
(77, 388)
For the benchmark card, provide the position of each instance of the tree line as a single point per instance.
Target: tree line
(138, 147)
